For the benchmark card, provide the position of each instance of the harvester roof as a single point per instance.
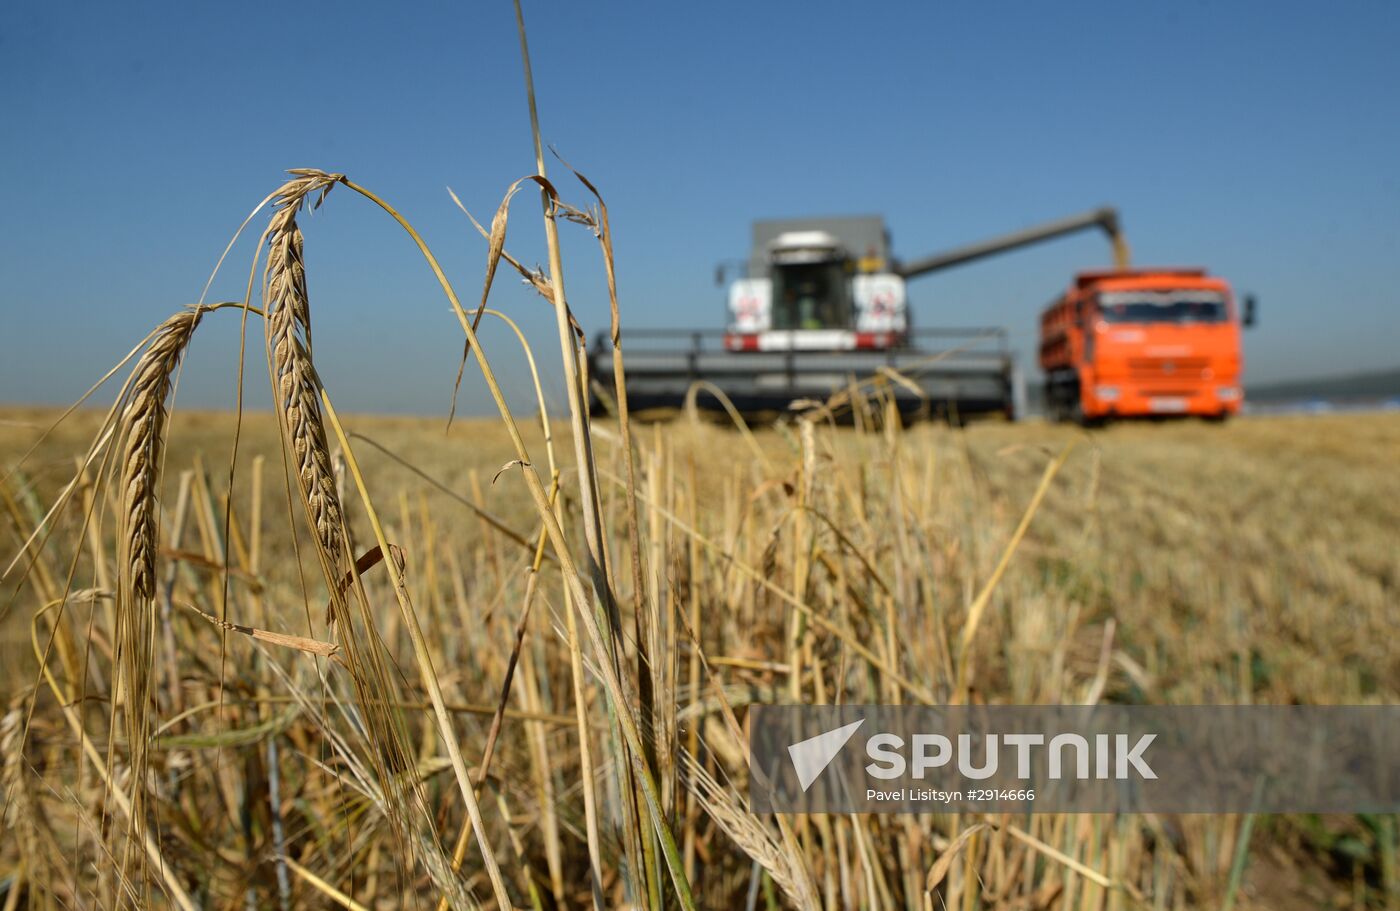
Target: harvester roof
(861, 236)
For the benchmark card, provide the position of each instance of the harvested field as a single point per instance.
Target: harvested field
(1166, 563)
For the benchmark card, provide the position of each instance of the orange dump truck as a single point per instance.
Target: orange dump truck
(1143, 342)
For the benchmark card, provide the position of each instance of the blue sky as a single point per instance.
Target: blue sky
(1259, 139)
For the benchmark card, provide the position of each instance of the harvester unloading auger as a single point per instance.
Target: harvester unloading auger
(821, 307)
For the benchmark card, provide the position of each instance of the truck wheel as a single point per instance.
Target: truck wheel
(1052, 406)
(1083, 420)
(1062, 401)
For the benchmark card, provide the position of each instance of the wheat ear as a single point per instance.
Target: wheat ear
(289, 342)
(144, 421)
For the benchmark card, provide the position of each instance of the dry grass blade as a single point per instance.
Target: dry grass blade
(496, 244)
(535, 278)
(492, 520)
(1060, 857)
(325, 888)
(979, 606)
(940, 867)
(271, 637)
(691, 394)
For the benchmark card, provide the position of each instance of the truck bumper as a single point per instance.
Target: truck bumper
(1105, 399)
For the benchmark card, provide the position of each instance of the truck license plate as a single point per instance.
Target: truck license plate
(1167, 404)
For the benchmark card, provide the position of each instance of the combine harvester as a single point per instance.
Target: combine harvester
(821, 306)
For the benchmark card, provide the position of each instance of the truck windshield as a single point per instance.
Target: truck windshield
(1163, 307)
(810, 295)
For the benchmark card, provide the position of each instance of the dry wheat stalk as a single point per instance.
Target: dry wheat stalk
(298, 403)
(19, 812)
(143, 421)
(289, 342)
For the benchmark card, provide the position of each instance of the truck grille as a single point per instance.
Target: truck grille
(1165, 368)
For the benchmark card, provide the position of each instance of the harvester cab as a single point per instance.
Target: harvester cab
(821, 307)
(808, 277)
(817, 285)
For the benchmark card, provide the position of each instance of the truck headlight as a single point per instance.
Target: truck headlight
(1227, 393)
(1107, 393)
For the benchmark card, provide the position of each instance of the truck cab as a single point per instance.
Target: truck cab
(1142, 343)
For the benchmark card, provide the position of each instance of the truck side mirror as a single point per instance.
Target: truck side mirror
(1250, 305)
(719, 276)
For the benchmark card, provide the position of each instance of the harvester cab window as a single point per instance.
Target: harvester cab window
(811, 295)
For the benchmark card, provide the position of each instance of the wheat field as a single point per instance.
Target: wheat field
(1174, 563)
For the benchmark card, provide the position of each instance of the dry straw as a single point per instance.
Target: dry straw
(19, 813)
